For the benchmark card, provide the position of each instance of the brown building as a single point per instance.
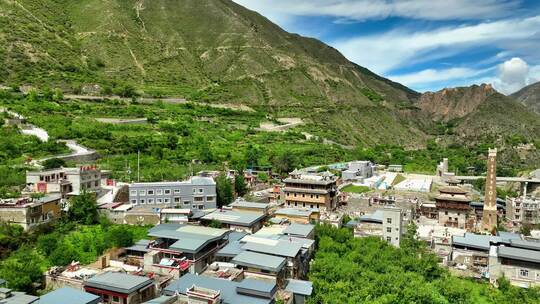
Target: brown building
(453, 206)
(28, 212)
(489, 218)
(314, 191)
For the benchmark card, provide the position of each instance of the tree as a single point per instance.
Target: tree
(284, 162)
(63, 255)
(83, 209)
(224, 190)
(119, 236)
(22, 269)
(240, 184)
(47, 244)
(53, 163)
(215, 224)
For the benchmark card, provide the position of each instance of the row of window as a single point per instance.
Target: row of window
(168, 200)
(524, 273)
(304, 195)
(302, 204)
(161, 191)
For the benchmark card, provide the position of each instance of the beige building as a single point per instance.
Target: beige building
(453, 207)
(314, 191)
(28, 212)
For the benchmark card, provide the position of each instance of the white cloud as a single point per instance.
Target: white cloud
(379, 9)
(427, 77)
(399, 48)
(514, 74)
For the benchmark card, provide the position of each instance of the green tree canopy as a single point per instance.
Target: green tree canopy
(83, 209)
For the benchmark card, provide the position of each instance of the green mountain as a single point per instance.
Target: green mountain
(529, 96)
(212, 51)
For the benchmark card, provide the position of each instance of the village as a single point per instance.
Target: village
(258, 248)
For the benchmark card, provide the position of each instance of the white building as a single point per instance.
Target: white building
(197, 193)
(66, 181)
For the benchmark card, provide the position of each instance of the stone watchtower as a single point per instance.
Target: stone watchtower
(489, 217)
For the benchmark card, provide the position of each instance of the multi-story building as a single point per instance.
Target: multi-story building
(29, 212)
(178, 248)
(519, 263)
(66, 181)
(197, 193)
(523, 210)
(388, 223)
(358, 170)
(314, 191)
(453, 206)
(116, 287)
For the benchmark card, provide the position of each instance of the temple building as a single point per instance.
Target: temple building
(453, 206)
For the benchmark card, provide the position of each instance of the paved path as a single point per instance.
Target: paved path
(77, 150)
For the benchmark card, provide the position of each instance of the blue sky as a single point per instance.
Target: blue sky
(425, 44)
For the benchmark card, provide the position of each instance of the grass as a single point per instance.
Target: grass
(355, 189)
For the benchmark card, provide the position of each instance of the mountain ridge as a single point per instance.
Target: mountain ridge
(165, 48)
(529, 96)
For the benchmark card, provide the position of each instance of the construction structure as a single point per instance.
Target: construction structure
(489, 218)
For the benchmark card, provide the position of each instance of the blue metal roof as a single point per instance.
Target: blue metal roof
(275, 247)
(230, 250)
(235, 217)
(299, 229)
(229, 294)
(68, 295)
(259, 260)
(304, 288)
(118, 282)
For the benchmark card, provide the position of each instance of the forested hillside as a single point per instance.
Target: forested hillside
(369, 270)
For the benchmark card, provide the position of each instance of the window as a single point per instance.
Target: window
(523, 273)
(193, 206)
(388, 239)
(159, 200)
(388, 229)
(167, 200)
(296, 204)
(458, 214)
(209, 198)
(159, 192)
(167, 191)
(303, 204)
(150, 200)
(201, 207)
(142, 201)
(116, 299)
(317, 196)
(199, 198)
(177, 200)
(311, 206)
(295, 195)
(194, 190)
(311, 196)
(389, 220)
(303, 195)
(201, 190)
(186, 202)
(446, 213)
(142, 192)
(151, 192)
(176, 191)
(134, 201)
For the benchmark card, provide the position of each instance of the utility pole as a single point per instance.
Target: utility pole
(138, 165)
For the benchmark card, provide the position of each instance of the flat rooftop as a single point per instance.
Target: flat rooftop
(303, 230)
(118, 282)
(228, 289)
(259, 261)
(69, 295)
(231, 217)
